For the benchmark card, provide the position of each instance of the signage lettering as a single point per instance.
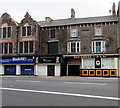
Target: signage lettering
(19, 59)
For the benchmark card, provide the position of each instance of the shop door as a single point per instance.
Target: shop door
(10, 70)
(73, 70)
(27, 70)
(51, 70)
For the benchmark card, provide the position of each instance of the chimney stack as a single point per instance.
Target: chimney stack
(48, 19)
(113, 10)
(72, 13)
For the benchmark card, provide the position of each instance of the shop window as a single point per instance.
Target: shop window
(107, 63)
(88, 63)
(74, 32)
(98, 46)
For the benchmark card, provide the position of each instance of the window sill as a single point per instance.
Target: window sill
(26, 36)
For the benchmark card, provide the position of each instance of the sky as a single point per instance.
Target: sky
(56, 9)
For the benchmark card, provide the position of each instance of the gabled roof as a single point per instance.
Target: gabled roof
(70, 21)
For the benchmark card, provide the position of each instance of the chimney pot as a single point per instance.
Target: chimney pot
(72, 13)
(48, 19)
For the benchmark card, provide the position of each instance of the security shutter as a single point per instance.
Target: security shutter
(107, 63)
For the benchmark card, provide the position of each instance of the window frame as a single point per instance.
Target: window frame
(26, 31)
(52, 31)
(98, 32)
(69, 47)
(7, 36)
(102, 46)
(74, 32)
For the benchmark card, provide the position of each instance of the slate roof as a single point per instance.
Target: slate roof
(71, 21)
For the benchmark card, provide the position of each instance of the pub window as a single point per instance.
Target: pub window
(10, 48)
(6, 48)
(4, 32)
(23, 31)
(31, 47)
(26, 47)
(52, 33)
(9, 32)
(21, 47)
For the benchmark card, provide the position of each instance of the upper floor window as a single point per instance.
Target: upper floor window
(52, 47)
(74, 32)
(1, 48)
(98, 31)
(26, 31)
(7, 48)
(52, 33)
(26, 47)
(98, 46)
(73, 47)
(5, 32)
(9, 32)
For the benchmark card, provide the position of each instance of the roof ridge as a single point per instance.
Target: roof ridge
(80, 18)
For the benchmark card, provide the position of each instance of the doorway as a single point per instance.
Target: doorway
(51, 70)
(73, 70)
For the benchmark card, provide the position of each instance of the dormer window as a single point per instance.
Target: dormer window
(26, 31)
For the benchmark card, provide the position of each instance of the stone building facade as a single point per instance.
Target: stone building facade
(66, 47)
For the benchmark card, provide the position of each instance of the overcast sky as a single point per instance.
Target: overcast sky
(56, 9)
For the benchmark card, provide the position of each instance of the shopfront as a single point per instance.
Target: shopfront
(73, 67)
(17, 66)
(48, 65)
(101, 66)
